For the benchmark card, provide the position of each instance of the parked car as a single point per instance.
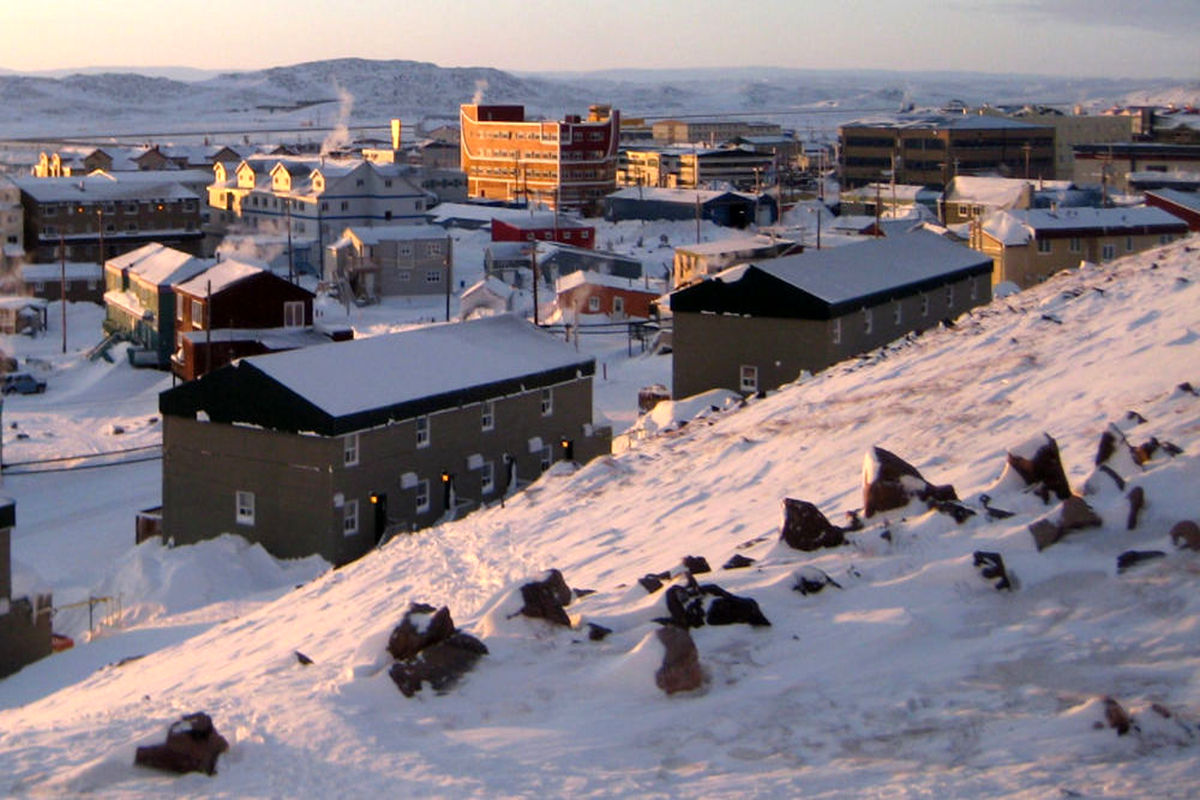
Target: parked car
(23, 383)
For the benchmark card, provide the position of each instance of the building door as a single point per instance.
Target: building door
(379, 500)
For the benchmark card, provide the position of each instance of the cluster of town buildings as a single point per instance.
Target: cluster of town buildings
(286, 429)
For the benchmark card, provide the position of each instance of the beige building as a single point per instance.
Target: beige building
(695, 262)
(396, 260)
(12, 223)
(709, 131)
(1029, 246)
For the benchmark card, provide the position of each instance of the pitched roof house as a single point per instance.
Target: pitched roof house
(756, 326)
(1030, 246)
(331, 449)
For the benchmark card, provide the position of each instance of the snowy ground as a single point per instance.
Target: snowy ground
(914, 678)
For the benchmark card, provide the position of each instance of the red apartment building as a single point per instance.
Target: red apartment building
(569, 165)
(545, 227)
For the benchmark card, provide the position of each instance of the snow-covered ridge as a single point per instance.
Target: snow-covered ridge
(914, 676)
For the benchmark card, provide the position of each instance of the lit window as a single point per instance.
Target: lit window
(245, 508)
(350, 449)
(547, 402)
(487, 416)
(423, 496)
(749, 379)
(350, 518)
(422, 431)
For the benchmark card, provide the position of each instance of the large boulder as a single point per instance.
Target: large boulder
(440, 665)
(545, 598)
(806, 528)
(680, 670)
(422, 626)
(1186, 535)
(692, 605)
(192, 745)
(1039, 464)
(890, 482)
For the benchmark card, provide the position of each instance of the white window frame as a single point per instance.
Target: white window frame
(837, 331)
(924, 305)
(1045, 247)
(897, 313)
(1108, 252)
(422, 496)
(950, 296)
(487, 478)
(433, 276)
(487, 415)
(350, 518)
(618, 305)
(243, 504)
(868, 320)
(748, 378)
(422, 426)
(547, 458)
(593, 304)
(1074, 244)
(350, 450)
(547, 402)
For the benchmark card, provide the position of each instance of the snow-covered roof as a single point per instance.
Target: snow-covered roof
(17, 302)
(395, 368)
(997, 192)
(162, 266)
(105, 187)
(397, 233)
(672, 195)
(845, 274)
(75, 270)
(583, 277)
(218, 277)
(733, 245)
(941, 122)
(1017, 227)
(1188, 200)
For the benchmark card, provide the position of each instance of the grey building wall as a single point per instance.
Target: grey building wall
(303, 488)
(24, 633)
(5, 564)
(710, 349)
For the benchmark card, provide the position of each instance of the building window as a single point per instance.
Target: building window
(547, 458)
(897, 313)
(868, 320)
(350, 449)
(345, 205)
(197, 314)
(1045, 246)
(1074, 245)
(1108, 252)
(964, 209)
(405, 275)
(749, 379)
(618, 306)
(433, 276)
(423, 496)
(1164, 238)
(547, 402)
(404, 250)
(433, 248)
(593, 304)
(949, 296)
(487, 477)
(1128, 244)
(422, 431)
(293, 314)
(487, 416)
(350, 518)
(975, 288)
(924, 305)
(837, 331)
(39, 286)
(245, 508)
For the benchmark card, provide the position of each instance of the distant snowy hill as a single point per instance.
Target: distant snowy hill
(320, 94)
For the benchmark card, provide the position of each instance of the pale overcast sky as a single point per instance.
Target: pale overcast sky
(1117, 38)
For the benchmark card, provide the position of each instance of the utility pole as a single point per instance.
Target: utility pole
(287, 204)
(62, 287)
(447, 264)
(534, 265)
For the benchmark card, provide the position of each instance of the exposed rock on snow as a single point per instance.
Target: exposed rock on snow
(1040, 467)
(680, 670)
(545, 599)
(806, 528)
(890, 482)
(192, 745)
(1186, 535)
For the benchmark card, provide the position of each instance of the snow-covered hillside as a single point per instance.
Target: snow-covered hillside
(321, 94)
(912, 676)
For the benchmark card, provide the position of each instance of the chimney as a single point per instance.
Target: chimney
(396, 134)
